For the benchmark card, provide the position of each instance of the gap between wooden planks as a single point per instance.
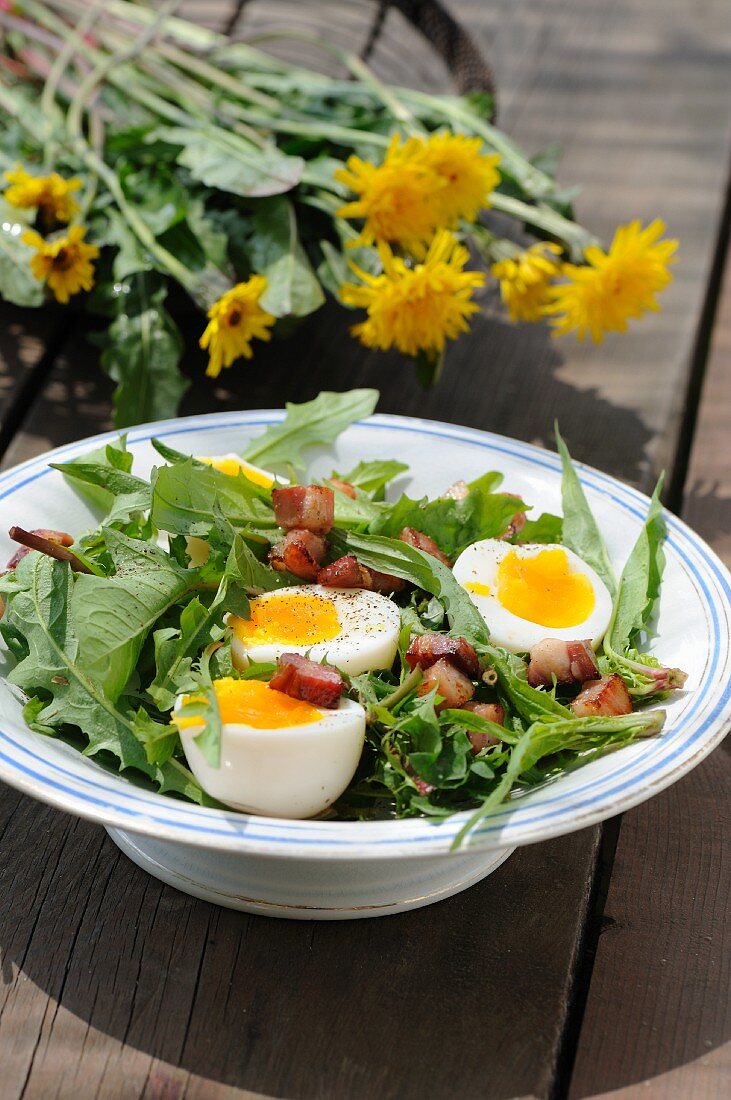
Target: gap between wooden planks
(658, 1016)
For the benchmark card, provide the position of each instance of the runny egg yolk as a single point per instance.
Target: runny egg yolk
(254, 703)
(543, 590)
(233, 466)
(291, 620)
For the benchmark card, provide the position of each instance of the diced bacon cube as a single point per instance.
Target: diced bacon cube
(451, 683)
(606, 698)
(566, 662)
(420, 541)
(307, 680)
(300, 552)
(491, 712)
(427, 649)
(308, 506)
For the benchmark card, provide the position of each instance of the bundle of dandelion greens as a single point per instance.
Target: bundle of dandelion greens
(140, 150)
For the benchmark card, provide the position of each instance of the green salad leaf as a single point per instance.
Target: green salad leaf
(312, 424)
(112, 616)
(373, 477)
(231, 163)
(120, 493)
(184, 497)
(276, 253)
(453, 524)
(547, 528)
(580, 529)
(92, 488)
(397, 558)
(639, 584)
(639, 588)
(141, 352)
(528, 702)
(176, 649)
(571, 734)
(202, 708)
(64, 691)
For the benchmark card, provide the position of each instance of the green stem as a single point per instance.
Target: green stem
(190, 34)
(359, 70)
(408, 685)
(98, 74)
(215, 76)
(575, 237)
(72, 43)
(387, 95)
(491, 247)
(136, 223)
(325, 131)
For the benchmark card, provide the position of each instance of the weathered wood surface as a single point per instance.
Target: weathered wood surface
(658, 1020)
(118, 986)
(115, 986)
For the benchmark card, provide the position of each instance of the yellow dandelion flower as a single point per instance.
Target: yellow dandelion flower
(50, 195)
(525, 280)
(614, 286)
(233, 322)
(64, 263)
(469, 175)
(416, 309)
(396, 199)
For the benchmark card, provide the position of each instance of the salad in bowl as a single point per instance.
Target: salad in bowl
(236, 634)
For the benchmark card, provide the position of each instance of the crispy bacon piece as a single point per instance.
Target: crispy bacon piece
(426, 649)
(342, 486)
(385, 583)
(491, 712)
(60, 538)
(451, 683)
(517, 523)
(568, 662)
(347, 572)
(607, 697)
(420, 541)
(458, 490)
(308, 506)
(303, 679)
(300, 552)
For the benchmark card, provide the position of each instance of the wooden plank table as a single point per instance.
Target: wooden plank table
(116, 986)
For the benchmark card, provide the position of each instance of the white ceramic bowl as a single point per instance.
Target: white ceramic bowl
(336, 869)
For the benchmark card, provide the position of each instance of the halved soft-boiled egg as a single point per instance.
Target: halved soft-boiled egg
(280, 757)
(230, 464)
(527, 593)
(350, 628)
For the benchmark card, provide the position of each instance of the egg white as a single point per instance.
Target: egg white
(295, 772)
(368, 636)
(479, 564)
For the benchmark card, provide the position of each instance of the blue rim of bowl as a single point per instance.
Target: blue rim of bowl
(120, 803)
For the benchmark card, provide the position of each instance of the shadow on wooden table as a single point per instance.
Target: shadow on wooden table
(501, 378)
(166, 995)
